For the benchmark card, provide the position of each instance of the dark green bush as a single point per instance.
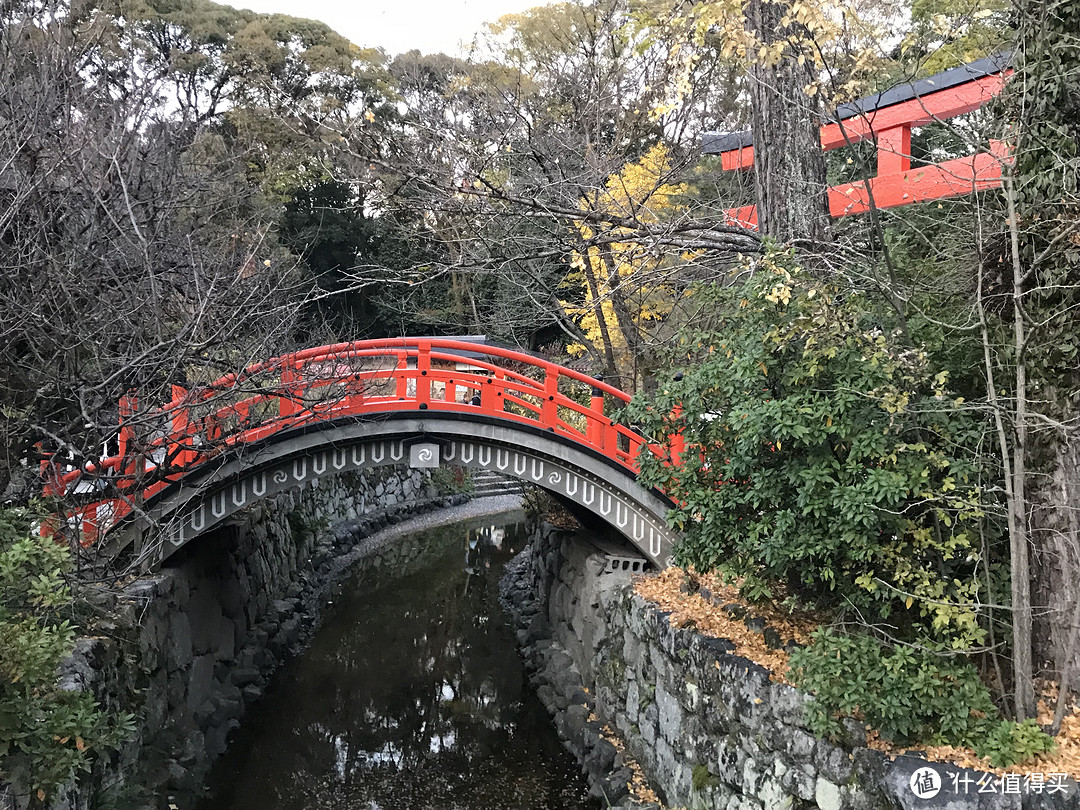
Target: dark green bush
(823, 454)
(452, 481)
(910, 696)
(47, 734)
(1012, 743)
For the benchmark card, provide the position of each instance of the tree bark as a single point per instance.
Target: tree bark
(789, 166)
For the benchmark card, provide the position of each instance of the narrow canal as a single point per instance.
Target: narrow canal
(412, 696)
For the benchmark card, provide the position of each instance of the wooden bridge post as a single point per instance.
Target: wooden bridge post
(549, 409)
(89, 525)
(287, 405)
(128, 407)
(594, 429)
(490, 393)
(423, 372)
(179, 451)
(677, 440)
(50, 486)
(402, 386)
(49, 472)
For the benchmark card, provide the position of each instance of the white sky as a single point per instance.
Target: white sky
(398, 25)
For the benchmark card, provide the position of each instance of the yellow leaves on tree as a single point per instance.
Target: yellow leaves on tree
(626, 286)
(841, 38)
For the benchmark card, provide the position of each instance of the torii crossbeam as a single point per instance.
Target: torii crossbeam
(888, 118)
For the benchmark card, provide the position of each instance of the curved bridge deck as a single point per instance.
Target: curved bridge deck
(447, 388)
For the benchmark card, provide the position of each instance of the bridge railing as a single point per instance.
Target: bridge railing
(160, 445)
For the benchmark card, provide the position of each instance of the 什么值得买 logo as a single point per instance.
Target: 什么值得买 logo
(925, 783)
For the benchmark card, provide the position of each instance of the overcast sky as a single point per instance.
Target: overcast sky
(397, 25)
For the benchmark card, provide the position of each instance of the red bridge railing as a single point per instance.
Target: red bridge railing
(160, 445)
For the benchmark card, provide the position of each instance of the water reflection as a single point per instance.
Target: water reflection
(412, 696)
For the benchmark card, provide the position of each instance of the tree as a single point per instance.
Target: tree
(629, 291)
(505, 164)
(133, 255)
(324, 224)
(1036, 418)
(786, 48)
(789, 168)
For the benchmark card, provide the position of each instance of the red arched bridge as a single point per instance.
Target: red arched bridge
(185, 466)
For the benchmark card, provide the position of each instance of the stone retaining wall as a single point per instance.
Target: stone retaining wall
(190, 648)
(708, 727)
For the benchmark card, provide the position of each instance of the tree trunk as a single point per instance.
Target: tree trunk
(1055, 535)
(1023, 667)
(611, 369)
(629, 329)
(789, 165)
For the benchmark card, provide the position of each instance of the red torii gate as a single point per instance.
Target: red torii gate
(888, 119)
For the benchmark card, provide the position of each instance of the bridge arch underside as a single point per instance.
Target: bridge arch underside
(290, 460)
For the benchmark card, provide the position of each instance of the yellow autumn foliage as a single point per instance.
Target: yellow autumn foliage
(639, 192)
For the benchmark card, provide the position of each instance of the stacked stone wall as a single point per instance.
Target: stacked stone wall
(189, 648)
(709, 728)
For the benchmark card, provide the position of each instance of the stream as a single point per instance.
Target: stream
(412, 696)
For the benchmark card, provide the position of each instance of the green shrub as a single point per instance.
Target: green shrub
(824, 454)
(452, 481)
(47, 734)
(1014, 743)
(910, 696)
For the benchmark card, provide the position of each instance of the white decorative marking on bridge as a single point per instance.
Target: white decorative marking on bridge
(588, 492)
(593, 492)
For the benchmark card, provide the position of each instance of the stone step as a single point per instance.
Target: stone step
(493, 493)
(488, 484)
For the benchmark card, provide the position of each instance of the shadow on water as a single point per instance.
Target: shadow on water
(412, 696)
